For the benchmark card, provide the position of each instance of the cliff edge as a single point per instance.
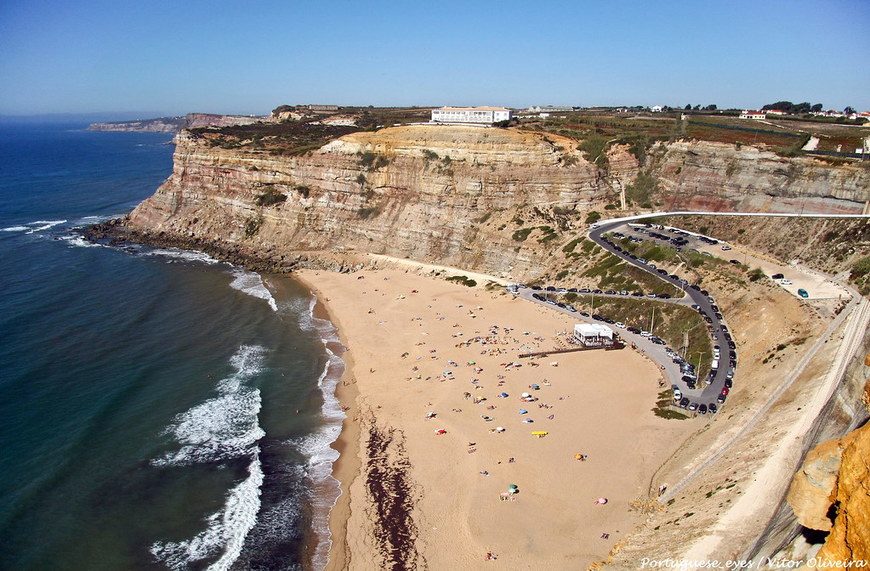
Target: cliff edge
(831, 492)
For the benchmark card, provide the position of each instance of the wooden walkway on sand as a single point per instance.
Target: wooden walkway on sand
(612, 347)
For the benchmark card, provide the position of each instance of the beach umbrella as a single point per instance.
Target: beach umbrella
(513, 486)
(536, 387)
(504, 395)
(523, 411)
(526, 395)
(499, 429)
(601, 501)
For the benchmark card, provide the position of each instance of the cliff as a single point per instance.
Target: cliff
(449, 194)
(718, 177)
(176, 124)
(502, 201)
(831, 492)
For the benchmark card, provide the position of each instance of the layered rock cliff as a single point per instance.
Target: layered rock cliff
(428, 193)
(496, 200)
(831, 492)
(176, 124)
(719, 177)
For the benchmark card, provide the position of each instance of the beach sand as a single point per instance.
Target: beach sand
(421, 347)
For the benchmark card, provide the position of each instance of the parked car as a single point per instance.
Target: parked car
(713, 408)
(693, 406)
(684, 402)
(803, 293)
(777, 276)
(702, 409)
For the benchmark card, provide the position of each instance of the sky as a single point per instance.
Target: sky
(174, 57)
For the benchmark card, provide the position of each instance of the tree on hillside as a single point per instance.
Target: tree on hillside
(848, 110)
(801, 108)
(711, 107)
(779, 106)
(816, 108)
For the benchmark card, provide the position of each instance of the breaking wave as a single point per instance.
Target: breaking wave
(223, 428)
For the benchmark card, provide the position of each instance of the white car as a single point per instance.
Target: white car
(726, 247)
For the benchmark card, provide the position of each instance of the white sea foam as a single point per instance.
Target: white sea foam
(15, 229)
(316, 447)
(80, 241)
(183, 255)
(221, 428)
(225, 529)
(41, 225)
(252, 284)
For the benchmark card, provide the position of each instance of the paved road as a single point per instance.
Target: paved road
(703, 394)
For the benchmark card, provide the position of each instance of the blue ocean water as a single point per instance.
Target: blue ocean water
(158, 409)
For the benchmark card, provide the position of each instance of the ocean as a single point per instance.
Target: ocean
(159, 409)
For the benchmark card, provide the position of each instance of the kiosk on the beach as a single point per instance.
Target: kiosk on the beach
(593, 334)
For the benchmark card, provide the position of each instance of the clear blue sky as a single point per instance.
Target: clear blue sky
(180, 56)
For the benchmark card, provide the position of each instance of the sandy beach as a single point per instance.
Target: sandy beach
(431, 449)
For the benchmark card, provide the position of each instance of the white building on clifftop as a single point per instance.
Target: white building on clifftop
(480, 115)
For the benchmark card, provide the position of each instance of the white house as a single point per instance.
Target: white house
(752, 115)
(482, 115)
(656, 108)
(592, 333)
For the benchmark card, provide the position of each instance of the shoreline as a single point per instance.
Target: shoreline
(347, 466)
(376, 380)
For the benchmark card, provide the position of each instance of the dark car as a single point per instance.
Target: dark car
(585, 290)
(702, 409)
(638, 294)
(777, 277)
(721, 398)
(684, 402)
(664, 296)
(634, 330)
(597, 317)
(729, 383)
(713, 408)
(656, 340)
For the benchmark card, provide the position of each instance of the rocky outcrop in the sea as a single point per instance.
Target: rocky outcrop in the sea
(831, 492)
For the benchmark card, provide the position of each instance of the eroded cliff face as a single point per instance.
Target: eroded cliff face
(445, 194)
(718, 177)
(831, 492)
(459, 195)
